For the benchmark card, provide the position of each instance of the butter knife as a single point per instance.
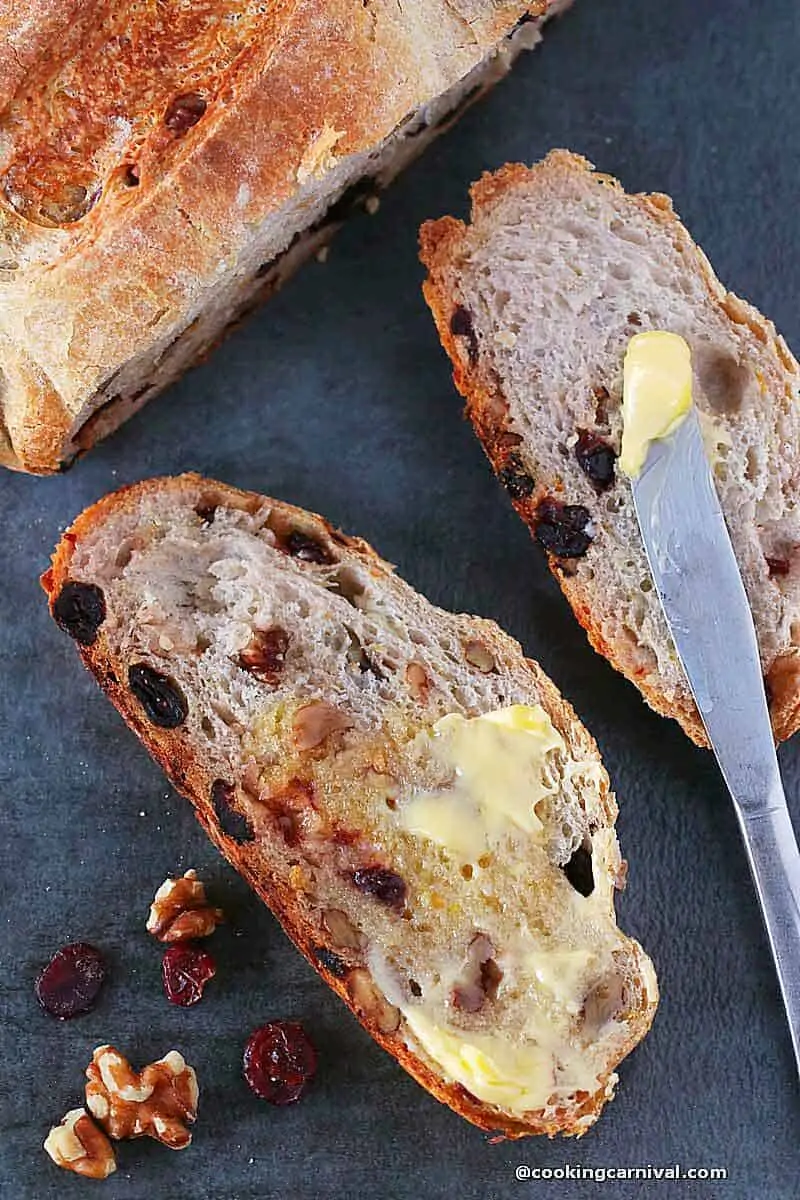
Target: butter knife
(698, 583)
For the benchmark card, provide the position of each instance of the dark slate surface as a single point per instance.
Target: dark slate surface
(337, 396)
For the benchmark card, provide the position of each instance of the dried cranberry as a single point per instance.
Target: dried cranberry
(184, 112)
(80, 609)
(307, 549)
(330, 961)
(777, 566)
(279, 1061)
(162, 700)
(232, 823)
(561, 528)
(596, 459)
(71, 981)
(265, 654)
(461, 325)
(386, 886)
(185, 971)
(515, 479)
(578, 871)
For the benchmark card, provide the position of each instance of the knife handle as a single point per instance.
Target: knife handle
(775, 863)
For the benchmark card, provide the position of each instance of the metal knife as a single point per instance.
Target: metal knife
(701, 592)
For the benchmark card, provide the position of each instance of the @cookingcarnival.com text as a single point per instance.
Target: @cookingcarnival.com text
(647, 1172)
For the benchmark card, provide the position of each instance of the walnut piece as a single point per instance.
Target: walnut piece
(343, 934)
(157, 1102)
(314, 722)
(371, 1002)
(480, 656)
(418, 682)
(180, 911)
(78, 1145)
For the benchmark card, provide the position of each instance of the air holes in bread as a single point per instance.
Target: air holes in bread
(461, 325)
(480, 978)
(601, 399)
(578, 869)
(777, 566)
(183, 112)
(723, 381)
(330, 961)
(232, 823)
(358, 656)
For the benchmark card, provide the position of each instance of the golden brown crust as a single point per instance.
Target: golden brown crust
(193, 781)
(316, 82)
(440, 247)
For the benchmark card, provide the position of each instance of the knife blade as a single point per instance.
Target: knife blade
(697, 579)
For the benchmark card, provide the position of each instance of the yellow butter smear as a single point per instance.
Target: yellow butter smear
(656, 394)
(517, 1076)
(498, 762)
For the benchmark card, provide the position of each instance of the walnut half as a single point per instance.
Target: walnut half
(180, 911)
(78, 1145)
(158, 1102)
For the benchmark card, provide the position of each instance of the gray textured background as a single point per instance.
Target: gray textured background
(337, 396)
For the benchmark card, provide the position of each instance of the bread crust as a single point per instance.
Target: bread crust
(317, 84)
(193, 781)
(441, 245)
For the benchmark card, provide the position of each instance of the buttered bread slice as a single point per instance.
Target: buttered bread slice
(536, 301)
(414, 800)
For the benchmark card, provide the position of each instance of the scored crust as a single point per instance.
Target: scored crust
(445, 245)
(101, 309)
(194, 778)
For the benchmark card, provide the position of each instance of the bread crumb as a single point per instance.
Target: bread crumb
(507, 338)
(322, 254)
(372, 204)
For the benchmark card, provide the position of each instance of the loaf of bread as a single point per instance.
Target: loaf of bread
(535, 302)
(164, 166)
(420, 808)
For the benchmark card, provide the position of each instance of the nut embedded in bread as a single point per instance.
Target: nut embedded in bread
(167, 165)
(414, 800)
(535, 301)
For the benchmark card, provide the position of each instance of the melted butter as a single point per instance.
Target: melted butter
(656, 394)
(498, 761)
(518, 1076)
(561, 974)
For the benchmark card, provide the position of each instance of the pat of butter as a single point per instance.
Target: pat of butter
(656, 394)
(518, 1076)
(499, 762)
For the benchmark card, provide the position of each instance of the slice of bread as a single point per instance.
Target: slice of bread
(535, 302)
(290, 685)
